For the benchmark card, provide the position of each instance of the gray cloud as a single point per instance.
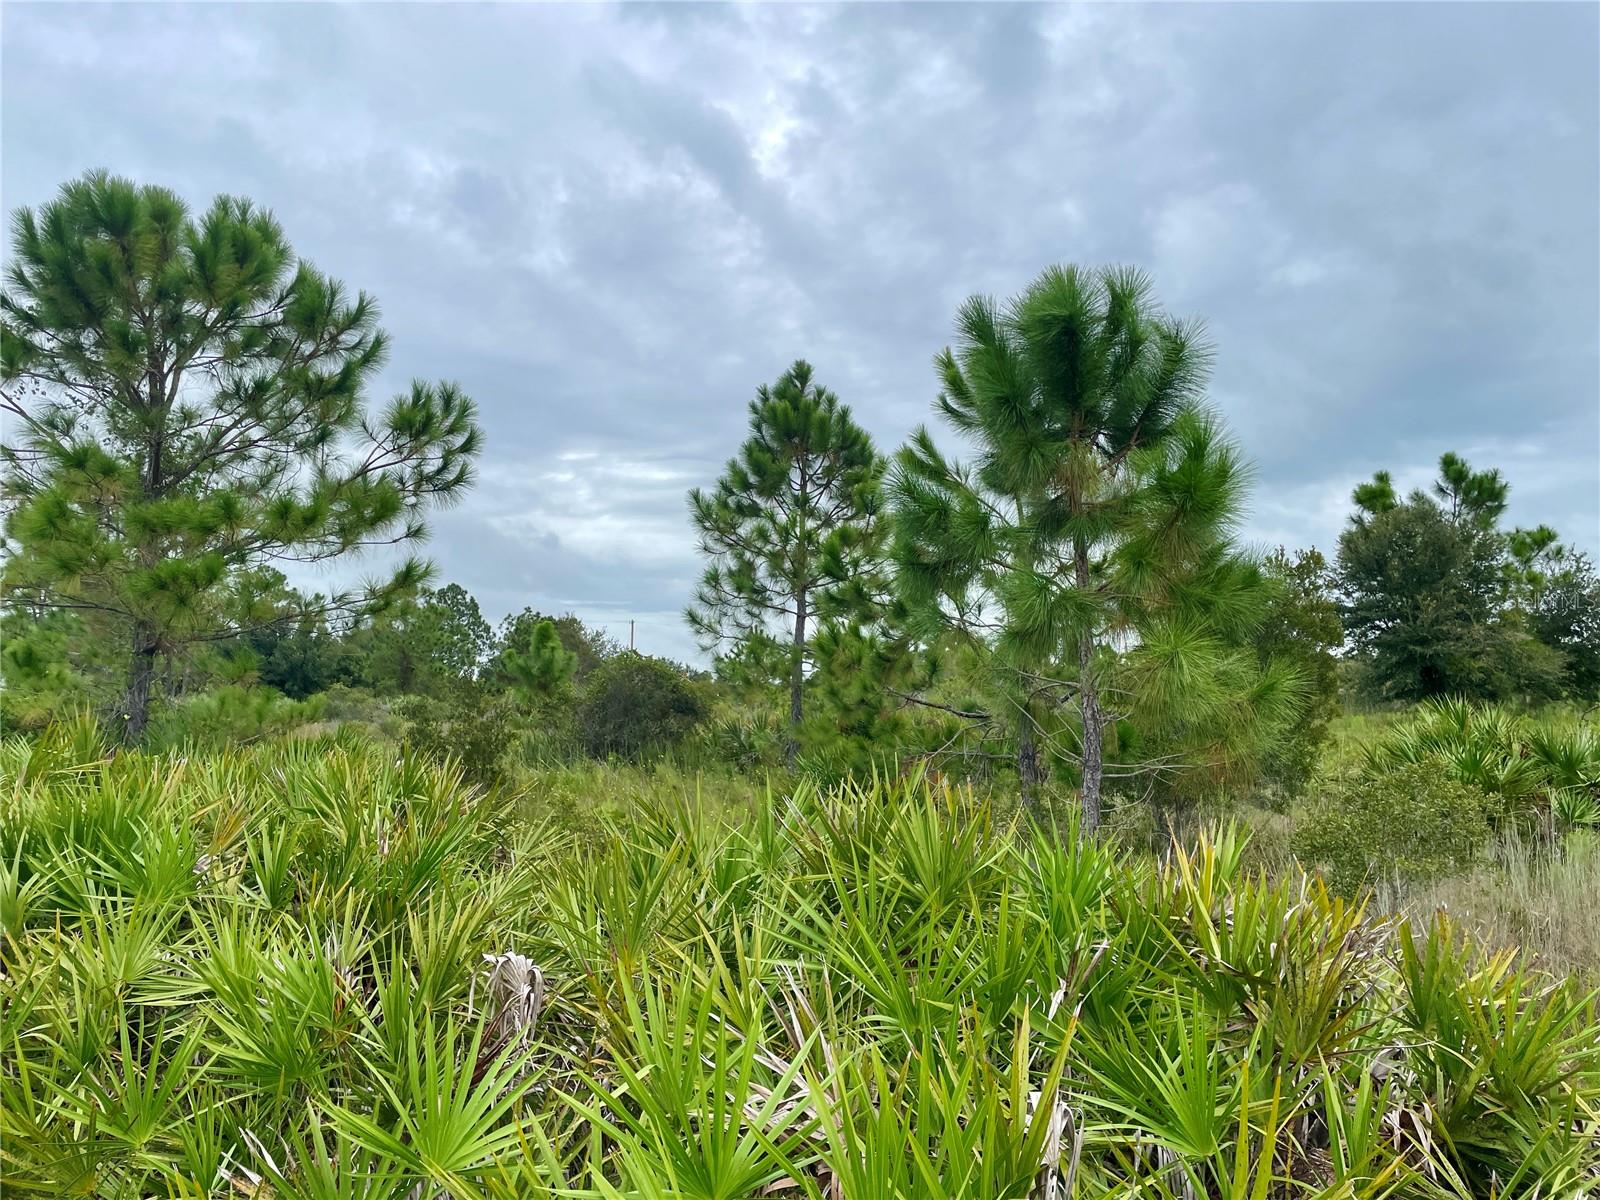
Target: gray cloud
(611, 224)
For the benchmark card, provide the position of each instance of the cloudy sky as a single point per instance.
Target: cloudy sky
(611, 223)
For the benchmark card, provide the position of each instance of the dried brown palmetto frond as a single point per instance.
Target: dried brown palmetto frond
(514, 994)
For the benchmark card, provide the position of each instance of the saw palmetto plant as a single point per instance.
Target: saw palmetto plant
(320, 969)
(1535, 766)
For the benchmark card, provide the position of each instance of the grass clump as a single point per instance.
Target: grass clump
(312, 969)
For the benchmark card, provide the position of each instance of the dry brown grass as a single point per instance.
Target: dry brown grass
(1527, 894)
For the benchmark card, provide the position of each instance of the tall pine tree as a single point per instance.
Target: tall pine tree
(789, 527)
(185, 404)
(1086, 548)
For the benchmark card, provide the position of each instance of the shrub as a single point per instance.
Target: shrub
(1413, 823)
(333, 969)
(229, 715)
(632, 703)
(359, 711)
(1531, 765)
(471, 726)
(745, 741)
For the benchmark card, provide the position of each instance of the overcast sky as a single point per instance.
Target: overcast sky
(611, 224)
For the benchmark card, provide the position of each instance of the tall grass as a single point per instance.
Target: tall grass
(1529, 893)
(330, 970)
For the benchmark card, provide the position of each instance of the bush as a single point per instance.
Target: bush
(418, 991)
(472, 726)
(744, 741)
(1413, 823)
(1540, 766)
(358, 711)
(632, 703)
(228, 716)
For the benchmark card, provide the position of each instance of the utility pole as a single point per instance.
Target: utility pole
(630, 634)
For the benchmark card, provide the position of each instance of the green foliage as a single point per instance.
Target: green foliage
(1468, 496)
(1545, 767)
(431, 645)
(187, 405)
(632, 704)
(1411, 823)
(791, 529)
(544, 667)
(332, 971)
(301, 656)
(589, 646)
(50, 667)
(229, 716)
(1437, 597)
(1563, 612)
(747, 742)
(471, 726)
(859, 720)
(1301, 627)
(1097, 512)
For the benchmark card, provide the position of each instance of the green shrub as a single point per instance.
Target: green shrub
(472, 726)
(744, 741)
(1541, 766)
(227, 716)
(632, 703)
(339, 970)
(1412, 823)
(357, 710)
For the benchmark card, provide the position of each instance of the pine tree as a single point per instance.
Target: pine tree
(186, 401)
(789, 527)
(544, 666)
(1086, 547)
(1478, 497)
(1302, 626)
(1438, 600)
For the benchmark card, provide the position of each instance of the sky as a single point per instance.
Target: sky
(611, 224)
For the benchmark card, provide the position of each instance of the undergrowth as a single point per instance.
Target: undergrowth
(326, 969)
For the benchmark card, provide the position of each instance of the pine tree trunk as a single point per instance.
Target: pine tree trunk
(1027, 762)
(797, 678)
(142, 663)
(1093, 745)
(1089, 706)
(141, 677)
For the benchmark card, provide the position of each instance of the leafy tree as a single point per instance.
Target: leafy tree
(1564, 614)
(1301, 626)
(790, 525)
(458, 637)
(298, 651)
(186, 401)
(1087, 545)
(1430, 588)
(301, 656)
(427, 646)
(632, 703)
